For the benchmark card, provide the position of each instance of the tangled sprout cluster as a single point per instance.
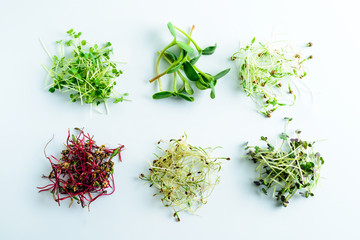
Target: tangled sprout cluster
(185, 175)
(84, 171)
(293, 166)
(88, 74)
(266, 72)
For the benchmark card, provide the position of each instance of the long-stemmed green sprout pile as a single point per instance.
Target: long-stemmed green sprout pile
(185, 175)
(293, 166)
(88, 74)
(182, 65)
(266, 71)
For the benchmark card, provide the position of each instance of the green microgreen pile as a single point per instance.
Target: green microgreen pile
(88, 74)
(266, 71)
(293, 167)
(184, 175)
(182, 65)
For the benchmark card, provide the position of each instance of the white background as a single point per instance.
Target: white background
(237, 210)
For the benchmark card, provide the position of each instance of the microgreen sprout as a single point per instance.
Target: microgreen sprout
(84, 171)
(266, 72)
(88, 74)
(185, 175)
(293, 166)
(182, 65)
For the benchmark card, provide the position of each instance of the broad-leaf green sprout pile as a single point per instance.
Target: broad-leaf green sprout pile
(185, 175)
(284, 171)
(182, 65)
(88, 74)
(266, 72)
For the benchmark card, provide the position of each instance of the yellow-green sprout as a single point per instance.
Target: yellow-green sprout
(185, 175)
(267, 71)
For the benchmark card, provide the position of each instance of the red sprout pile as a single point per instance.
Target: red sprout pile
(84, 171)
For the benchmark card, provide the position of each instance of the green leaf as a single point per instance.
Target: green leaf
(186, 86)
(205, 80)
(190, 72)
(284, 136)
(264, 191)
(74, 70)
(120, 99)
(171, 29)
(68, 43)
(51, 89)
(273, 102)
(97, 81)
(115, 152)
(78, 35)
(201, 84)
(170, 55)
(185, 46)
(221, 74)
(212, 93)
(78, 76)
(175, 68)
(306, 194)
(253, 40)
(161, 95)
(188, 89)
(83, 42)
(195, 59)
(187, 98)
(209, 50)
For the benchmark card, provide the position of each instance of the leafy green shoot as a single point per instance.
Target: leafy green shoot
(88, 74)
(182, 65)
